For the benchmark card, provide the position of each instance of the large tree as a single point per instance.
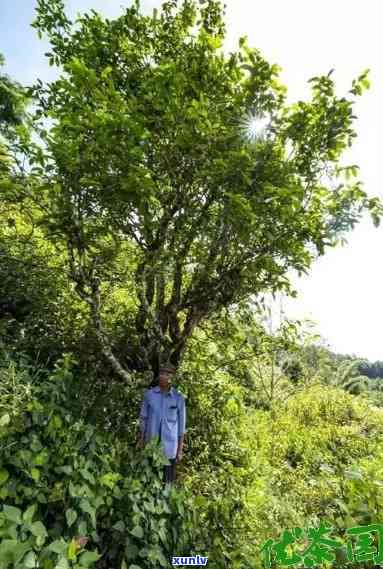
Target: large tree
(152, 184)
(14, 137)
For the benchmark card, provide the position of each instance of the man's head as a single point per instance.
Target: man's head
(165, 375)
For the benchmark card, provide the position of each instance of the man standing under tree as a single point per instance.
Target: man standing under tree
(163, 415)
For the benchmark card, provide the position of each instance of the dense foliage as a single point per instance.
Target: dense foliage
(147, 188)
(139, 225)
(76, 492)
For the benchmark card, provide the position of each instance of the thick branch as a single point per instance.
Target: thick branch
(88, 288)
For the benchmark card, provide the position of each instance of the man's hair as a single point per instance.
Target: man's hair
(169, 368)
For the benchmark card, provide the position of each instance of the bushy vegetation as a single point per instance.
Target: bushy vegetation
(78, 493)
(139, 226)
(70, 492)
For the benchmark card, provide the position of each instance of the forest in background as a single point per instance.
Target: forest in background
(139, 226)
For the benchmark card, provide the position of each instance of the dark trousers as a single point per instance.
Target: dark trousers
(170, 471)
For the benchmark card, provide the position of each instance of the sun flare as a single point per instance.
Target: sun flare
(254, 127)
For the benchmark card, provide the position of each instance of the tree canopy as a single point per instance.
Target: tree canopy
(146, 181)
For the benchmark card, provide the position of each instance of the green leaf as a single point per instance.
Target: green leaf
(73, 490)
(64, 469)
(138, 532)
(71, 517)
(242, 41)
(35, 473)
(19, 550)
(6, 546)
(83, 528)
(62, 564)
(38, 529)
(4, 475)
(131, 551)
(30, 560)
(86, 507)
(214, 42)
(29, 513)
(72, 549)
(5, 420)
(11, 551)
(134, 567)
(88, 558)
(109, 479)
(40, 540)
(119, 526)
(87, 475)
(59, 546)
(162, 534)
(41, 458)
(13, 514)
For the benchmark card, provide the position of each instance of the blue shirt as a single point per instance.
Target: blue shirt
(163, 415)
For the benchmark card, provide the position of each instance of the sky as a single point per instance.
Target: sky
(342, 295)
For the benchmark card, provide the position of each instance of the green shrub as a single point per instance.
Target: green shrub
(62, 481)
(321, 458)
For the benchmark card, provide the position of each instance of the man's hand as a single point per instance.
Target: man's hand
(179, 448)
(141, 442)
(179, 456)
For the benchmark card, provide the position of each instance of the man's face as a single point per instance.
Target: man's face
(165, 378)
